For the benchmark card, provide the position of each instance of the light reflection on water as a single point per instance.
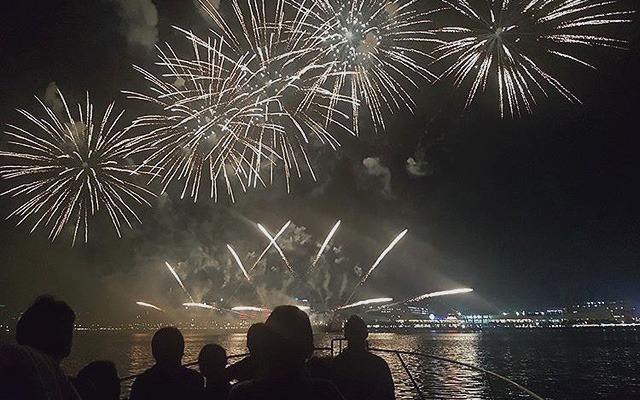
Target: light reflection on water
(555, 364)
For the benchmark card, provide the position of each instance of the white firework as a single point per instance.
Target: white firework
(69, 167)
(374, 50)
(202, 133)
(513, 44)
(281, 75)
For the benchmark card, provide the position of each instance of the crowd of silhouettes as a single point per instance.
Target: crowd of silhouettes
(280, 364)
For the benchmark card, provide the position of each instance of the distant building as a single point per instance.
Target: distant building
(590, 312)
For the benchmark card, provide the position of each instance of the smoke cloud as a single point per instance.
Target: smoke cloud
(52, 98)
(139, 22)
(373, 167)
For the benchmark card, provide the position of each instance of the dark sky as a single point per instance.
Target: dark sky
(532, 212)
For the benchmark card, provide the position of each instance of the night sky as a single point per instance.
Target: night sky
(532, 212)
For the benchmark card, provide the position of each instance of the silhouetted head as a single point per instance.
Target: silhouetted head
(104, 378)
(355, 331)
(167, 346)
(47, 325)
(288, 339)
(254, 338)
(212, 360)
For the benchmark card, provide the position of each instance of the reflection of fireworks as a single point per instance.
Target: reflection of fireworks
(502, 40)
(371, 47)
(366, 302)
(438, 294)
(203, 131)
(175, 275)
(149, 305)
(71, 168)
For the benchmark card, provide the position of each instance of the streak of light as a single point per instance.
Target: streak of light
(325, 243)
(266, 249)
(175, 275)
(149, 305)
(249, 308)
(235, 255)
(438, 294)
(273, 241)
(366, 302)
(199, 305)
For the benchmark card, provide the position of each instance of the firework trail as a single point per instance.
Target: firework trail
(366, 302)
(272, 241)
(279, 76)
(199, 305)
(325, 243)
(71, 167)
(235, 256)
(266, 249)
(438, 294)
(203, 131)
(507, 42)
(372, 48)
(175, 275)
(378, 261)
(249, 308)
(149, 305)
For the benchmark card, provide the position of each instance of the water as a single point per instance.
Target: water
(559, 364)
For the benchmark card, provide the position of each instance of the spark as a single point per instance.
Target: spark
(383, 254)
(199, 305)
(372, 49)
(510, 43)
(438, 294)
(284, 83)
(249, 308)
(175, 275)
(149, 305)
(378, 261)
(235, 256)
(325, 243)
(272, 241)
(366, 302)
(70, 167)
(202, 133)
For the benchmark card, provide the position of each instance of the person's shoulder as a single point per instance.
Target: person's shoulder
(324, 389)
(191, 374)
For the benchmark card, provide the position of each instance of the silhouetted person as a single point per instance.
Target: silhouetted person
(31, 370)
(212, 360)
(249, 367)
(168, 378)
(358, 374)
(288, 343)
(48, 327)
(98, 380)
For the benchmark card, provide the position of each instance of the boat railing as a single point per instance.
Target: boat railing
(420, 383)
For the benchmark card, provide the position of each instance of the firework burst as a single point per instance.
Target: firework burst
(70, 167)
(372, 49)
(281, 80)
(506, 43)
(203, 132)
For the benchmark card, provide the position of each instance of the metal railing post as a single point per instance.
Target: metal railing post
(406, 369)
